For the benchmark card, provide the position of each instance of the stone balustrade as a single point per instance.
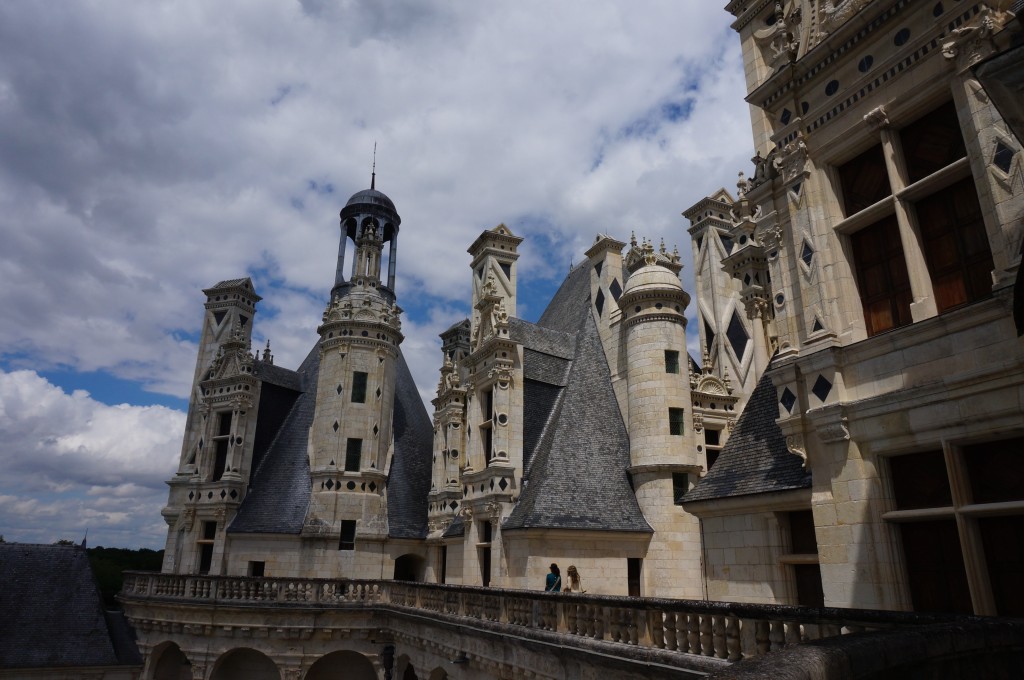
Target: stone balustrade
(720, 631)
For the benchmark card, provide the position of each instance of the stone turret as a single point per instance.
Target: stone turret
(662, 451)
(351, 434)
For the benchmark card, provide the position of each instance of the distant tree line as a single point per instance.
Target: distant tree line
(109, 563)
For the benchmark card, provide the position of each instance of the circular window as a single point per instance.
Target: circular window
(365, 333)
(658, 305)
(502, 419)
(832, 87)
(714, 406)
(637, 309)
(901, 37)
(351, 486)
(455, 453)
(743, 239)
(779, 299)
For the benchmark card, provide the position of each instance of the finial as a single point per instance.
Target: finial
(675, 252)
(373, 172)
(662, 247)
(267, 356)
(632, 238)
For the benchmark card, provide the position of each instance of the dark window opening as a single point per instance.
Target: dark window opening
(598, 267)
(599, 302)
(506, 269)
(919, 481)
(222, 442)
(932, 142)
(347, 540)
(680, 485)
(443, 559)
(206, 547)
(675, 421)
(634, 572)
(882, 278)
(935, 567)
(1003, 539)
(996, 470)
(257, 569)
(956, 245)
(359, 387)
(671, 361)
(616, 289)
(354, 455)
(809, 592)
(864, 180)
(712, 456)
(486, 435)
(726, 243)
(801, 533)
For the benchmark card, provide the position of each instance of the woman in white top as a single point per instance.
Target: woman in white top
(572, 582)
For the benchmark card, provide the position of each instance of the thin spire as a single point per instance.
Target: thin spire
(373, 173)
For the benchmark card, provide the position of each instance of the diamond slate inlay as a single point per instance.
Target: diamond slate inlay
(787, 400)
(807, 253)
(1003, 157)
(821, 388)
(336, 426)
(503, 484)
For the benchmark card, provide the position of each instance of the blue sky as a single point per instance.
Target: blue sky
(152, 149)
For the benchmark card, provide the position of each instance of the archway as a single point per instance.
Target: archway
(169, 663)
(245, 664)
(409, 567)
(439, 674)
(345, 664)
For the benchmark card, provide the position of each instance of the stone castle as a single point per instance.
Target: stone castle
(850, 436)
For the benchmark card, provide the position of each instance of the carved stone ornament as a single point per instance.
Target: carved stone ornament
(835, 431)
(795, 444)
(793, 159)
(970, 44)
(835, 13)
(877, 118)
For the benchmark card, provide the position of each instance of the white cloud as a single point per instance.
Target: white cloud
(153, 149)
(72, 464)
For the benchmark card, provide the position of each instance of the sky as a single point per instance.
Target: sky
(151, 148)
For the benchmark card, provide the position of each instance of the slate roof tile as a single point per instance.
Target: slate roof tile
(755, 459)
(576, 474)
(53, 613)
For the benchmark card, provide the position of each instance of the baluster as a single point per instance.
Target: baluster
(732, 639)
(706, 645)
(718, 636)
(777, 636)
(763, 643)
(793, 634)
(632, 629)
(830, 630)
(670, 631)
(748, 638)
(693, 633)
(657, 630)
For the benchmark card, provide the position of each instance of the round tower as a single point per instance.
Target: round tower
(350, 437)
(662, 453)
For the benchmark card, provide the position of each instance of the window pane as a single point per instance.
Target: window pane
(956, 245)
(932, 142)
(1003, 538)
(808, 585)
(675, 421)
(671, 361)
(935, 567)
(864, 180)
(882, 277)
(680, 484)
(354, 455)
(359, 387)
(348, 535)
(996, 470)
(801, 532)
(919, 481)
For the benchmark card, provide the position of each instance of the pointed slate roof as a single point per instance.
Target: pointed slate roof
(53, 614)
(279, 486)
(279, 489)
(409, 478)
(576, 447)
(755, 459)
